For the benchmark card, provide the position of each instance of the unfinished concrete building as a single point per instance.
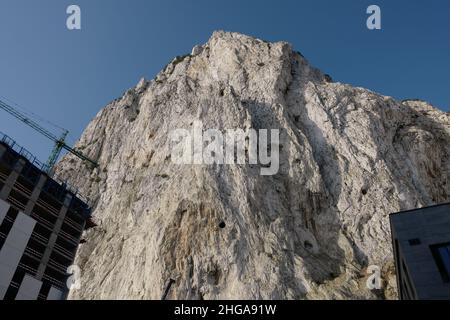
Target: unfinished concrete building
(41, 224)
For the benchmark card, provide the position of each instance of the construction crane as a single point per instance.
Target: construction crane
(60, 143)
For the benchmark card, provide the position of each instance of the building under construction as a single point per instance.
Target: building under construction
(41, 224)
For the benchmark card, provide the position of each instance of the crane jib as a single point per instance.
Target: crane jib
(59, 142)
(79, 155)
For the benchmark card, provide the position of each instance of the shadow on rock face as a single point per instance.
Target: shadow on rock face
(280, 231)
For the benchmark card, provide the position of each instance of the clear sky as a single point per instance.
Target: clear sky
(67, 76)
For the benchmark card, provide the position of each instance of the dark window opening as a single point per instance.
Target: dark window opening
(54, 190)
(414, 242)
(441, 255)
(14, 286)
(45, 214)
(55, 276)
(29, 176)
(7, 224)
(45, 289)
(79, 207)
(9, 160)
(19, 197)
(50, 201)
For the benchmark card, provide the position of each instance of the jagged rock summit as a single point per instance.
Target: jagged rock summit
(348, 158)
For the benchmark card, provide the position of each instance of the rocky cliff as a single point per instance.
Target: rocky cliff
(348, 158)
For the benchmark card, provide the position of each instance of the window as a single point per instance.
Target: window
(414, 242)
(6, 225)
(441, 254)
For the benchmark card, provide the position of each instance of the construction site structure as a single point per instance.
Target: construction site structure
(41, 225)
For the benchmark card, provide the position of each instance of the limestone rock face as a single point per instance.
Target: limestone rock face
(348, 158)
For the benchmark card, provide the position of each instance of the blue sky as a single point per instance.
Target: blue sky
(67, 76)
